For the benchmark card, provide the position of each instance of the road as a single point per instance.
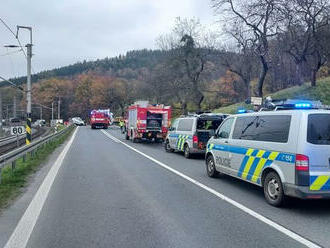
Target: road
(107, 194)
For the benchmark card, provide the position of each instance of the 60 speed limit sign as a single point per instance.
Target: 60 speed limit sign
(17, 130)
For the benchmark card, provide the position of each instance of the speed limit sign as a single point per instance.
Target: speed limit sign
(17, 130)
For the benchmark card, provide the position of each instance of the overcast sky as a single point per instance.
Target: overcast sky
(67, 31)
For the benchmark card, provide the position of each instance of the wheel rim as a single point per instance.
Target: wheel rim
(273, 189)
(210, 165)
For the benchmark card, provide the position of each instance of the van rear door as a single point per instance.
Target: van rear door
(318, 150)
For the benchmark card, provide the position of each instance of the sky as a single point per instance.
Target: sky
(68, 31)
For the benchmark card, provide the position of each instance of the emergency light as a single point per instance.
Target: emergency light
(241, 111)
(303, 105)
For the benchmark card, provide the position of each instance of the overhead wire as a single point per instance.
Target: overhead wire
(18, 40)
(10, 53)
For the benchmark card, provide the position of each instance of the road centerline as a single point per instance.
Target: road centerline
(238, 205)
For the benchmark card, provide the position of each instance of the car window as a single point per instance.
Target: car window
(270, 128)
(185, 124)
(174, 125)
(318, 131)
(224, 130)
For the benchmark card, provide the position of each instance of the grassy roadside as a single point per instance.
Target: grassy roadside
(13, 181)
(320, 92)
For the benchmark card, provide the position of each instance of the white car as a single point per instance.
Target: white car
(78, 121)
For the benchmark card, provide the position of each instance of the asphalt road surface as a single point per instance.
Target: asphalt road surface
(107, 194)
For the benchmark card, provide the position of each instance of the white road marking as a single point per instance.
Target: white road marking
(21, 235)
(240, 206)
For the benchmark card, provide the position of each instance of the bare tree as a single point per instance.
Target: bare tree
(240, 59)
(305, 23)
(260, 21)
(189, 46)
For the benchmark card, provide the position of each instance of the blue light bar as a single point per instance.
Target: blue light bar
(241, 111)
(303, 105)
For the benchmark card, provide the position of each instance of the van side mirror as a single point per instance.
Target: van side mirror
(171, 129)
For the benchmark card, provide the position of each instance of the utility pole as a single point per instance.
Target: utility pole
(52, 110)
(59, 108)
(14, 107)
(28, 88)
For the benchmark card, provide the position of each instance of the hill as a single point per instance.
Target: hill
(124, 66)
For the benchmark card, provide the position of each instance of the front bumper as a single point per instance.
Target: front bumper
(304, 192)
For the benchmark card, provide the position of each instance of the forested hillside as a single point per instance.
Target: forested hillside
(263, 47)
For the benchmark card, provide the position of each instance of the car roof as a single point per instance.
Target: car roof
(285, 112)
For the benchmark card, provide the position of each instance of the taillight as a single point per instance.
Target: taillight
(302, 162)
(195, 139)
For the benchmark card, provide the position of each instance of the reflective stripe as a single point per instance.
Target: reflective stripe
(247, 167)
(244, 161)
(249, 152)
(319, 182)
(260, 153)
(255, 160)
(253, 168)
(273, 156)
(257, 171)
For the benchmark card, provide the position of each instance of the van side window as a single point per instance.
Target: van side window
(185, 125)
(224, 130)
(318, 131)
(270, 128)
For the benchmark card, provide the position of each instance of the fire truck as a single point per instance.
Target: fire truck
(100, 118)
(146, 121)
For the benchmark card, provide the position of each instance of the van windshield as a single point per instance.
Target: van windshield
(318, 131)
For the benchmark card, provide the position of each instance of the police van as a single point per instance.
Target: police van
(191, 133)
(287, 152)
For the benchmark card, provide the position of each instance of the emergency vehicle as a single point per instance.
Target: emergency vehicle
(191, 133)
(286, 151)
(100, 118)
(147, 121)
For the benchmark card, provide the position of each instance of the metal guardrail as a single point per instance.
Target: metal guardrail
(4, 141)
(13, 155)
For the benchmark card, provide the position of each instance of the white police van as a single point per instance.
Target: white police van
(286, 152)
(191, 133)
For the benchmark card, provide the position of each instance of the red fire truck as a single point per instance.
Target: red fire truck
(146, 121)
(99, 119)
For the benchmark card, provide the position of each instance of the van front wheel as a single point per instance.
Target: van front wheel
(273, 189)
(210, 167)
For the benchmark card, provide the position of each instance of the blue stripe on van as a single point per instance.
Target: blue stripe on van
(253, 168)
(283, 157)
(241, 169)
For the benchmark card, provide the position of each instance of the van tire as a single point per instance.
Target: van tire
(186, 151)
(126, 136)
(210, 167)
(273, 189)
(168, 147)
